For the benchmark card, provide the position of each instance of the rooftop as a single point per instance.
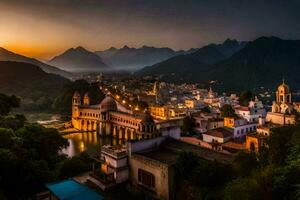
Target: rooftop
(161, 154)
(177, 146)
(71, 190)
(219, 132)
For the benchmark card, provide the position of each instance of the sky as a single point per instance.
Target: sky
(45, 28)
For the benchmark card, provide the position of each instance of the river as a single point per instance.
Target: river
(91, 142)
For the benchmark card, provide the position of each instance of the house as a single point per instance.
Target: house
(218, 135)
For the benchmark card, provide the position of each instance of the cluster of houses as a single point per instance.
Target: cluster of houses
(152, 141)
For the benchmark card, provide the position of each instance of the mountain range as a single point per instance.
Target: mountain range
(259, 63)
(127, 58)
(79, 60)
(6, 55)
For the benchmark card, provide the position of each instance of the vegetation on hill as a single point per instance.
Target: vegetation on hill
(36, 87)
(63, 102)
(29, 155)
(6, 55)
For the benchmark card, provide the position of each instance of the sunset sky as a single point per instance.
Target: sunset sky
(42, 29)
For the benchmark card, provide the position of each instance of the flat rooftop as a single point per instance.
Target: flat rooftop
(161, 154)
(204, 153)
(71, 190)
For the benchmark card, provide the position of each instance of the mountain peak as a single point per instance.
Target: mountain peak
(80, 48)
(112, 49)
(229, 41)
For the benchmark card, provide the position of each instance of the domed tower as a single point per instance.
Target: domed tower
(76, 102)
(86, 99)
(283, 102)
(283, 94)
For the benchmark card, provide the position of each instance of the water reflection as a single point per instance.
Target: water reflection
(86, 141)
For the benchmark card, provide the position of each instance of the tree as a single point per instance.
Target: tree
(206, 109)
(63, 102)
(185, 165)
(7, 103)
(227, 111)
(73, 166)
(188, 125)
(6, 137)
(245, 97)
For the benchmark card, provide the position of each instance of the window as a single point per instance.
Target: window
(146, 178)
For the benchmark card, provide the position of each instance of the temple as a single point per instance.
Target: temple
(111, 118)
(282, 107)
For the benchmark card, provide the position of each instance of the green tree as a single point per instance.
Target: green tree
(72, 167)
(245, 97)
(7, 103)
(63, 102)
(188, 125)
(227, 111)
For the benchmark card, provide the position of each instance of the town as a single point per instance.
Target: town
(149, 100)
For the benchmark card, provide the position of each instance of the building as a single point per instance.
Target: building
(113, 167)
(240, 127)
(159, 112)
(207, 121)
(282, 107)
(166, 112)
(218, 135)
(152, 164)
(71, 190)
(111, 118)
(252, 112)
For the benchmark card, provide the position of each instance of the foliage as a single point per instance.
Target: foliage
(7, 103)
(245, 97)
(188, 125)
(227, 111)
(206, 109)
(63, 102)
(73, 166)
(29, 155)
(36, 87)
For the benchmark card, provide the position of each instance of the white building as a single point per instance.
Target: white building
(253, 112)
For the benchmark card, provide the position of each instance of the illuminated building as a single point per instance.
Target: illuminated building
(282, 107)
(111, 118)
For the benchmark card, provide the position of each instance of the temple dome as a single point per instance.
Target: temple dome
(108, 103)
(283, 88)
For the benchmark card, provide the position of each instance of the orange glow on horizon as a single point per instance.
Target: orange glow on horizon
(30, 51)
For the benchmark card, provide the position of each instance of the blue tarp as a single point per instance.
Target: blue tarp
(72, 190)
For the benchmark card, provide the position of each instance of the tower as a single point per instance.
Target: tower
(76, 102)
(86, 99)
(283, 94)
(283, 101)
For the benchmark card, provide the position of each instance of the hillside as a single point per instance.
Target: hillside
(6, 55)
(28, 81)
(262, 62)
(79, 60)
(185, 67)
